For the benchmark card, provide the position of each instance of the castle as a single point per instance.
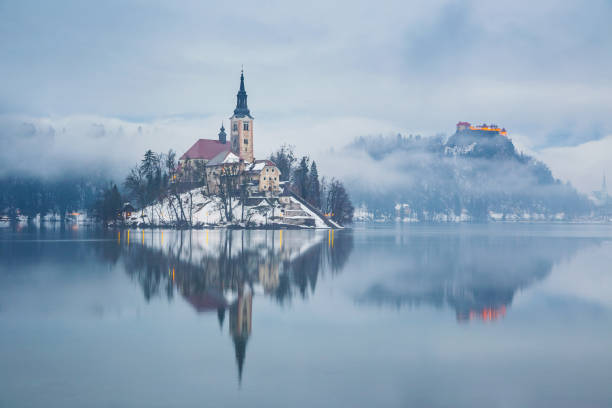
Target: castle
(209, 160)
(482, 130)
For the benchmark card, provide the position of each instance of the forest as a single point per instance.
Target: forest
(434, 178)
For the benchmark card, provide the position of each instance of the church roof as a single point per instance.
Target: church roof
(205, 149)
(207, 301)
(223, 158)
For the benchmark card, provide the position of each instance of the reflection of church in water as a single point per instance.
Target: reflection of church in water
(240, 326)
(222, 273)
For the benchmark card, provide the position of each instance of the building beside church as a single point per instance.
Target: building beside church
(208, 160)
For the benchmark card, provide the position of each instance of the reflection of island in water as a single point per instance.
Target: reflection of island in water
(476, 276)
(218, 271)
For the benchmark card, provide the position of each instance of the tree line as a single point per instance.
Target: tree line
(30, 196)
(328, 195)
(452, 177)
(150, 182)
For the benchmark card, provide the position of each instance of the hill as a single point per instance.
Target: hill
(474, 175)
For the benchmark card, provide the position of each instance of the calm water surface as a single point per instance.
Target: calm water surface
(442, 316)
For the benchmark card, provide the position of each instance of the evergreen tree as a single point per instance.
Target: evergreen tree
(284, 159)
(149, 164)
(301, 178)
(314, 187)
(109, 206)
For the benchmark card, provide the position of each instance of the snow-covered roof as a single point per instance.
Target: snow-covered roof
(259, 165)
(223, 158)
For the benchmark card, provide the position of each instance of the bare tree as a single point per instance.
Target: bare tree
(338, 203)
(228, 188)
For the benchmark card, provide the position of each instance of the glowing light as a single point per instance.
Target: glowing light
(501, 131)
(489, 313)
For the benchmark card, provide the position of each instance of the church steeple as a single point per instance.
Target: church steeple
(241, 126)
(241, 100)
(222, 135)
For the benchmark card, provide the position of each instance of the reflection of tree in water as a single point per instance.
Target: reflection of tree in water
(477, 276)
(302, 273)
(226, 274)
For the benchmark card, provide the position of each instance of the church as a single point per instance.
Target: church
(215, 157)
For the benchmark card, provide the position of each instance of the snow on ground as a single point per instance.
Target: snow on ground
(209, 211)
(319, 223)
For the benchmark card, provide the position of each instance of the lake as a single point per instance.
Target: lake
(504, 315)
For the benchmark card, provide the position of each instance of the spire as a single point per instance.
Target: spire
(241, 100)
(240, 343)
(604, 188)
(222, 135)
(221, 316)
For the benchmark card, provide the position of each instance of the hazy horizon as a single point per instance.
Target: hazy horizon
(101, 83)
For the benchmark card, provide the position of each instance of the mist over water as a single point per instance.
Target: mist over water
(510, 315)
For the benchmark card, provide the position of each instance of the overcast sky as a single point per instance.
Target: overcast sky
(85, 82)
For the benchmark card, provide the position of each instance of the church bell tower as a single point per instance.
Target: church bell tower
(241, 126)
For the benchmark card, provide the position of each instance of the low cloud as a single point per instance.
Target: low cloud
(540, 69)
(86, 143)
(583, 165)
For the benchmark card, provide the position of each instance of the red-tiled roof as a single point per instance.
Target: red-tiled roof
(206, 301)
(205, 149)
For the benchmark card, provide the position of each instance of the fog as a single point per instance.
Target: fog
(316, 76)
(447, 176)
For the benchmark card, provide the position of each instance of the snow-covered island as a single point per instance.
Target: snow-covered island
(193, 209)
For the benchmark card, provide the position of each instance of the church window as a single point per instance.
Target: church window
(245, 126)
